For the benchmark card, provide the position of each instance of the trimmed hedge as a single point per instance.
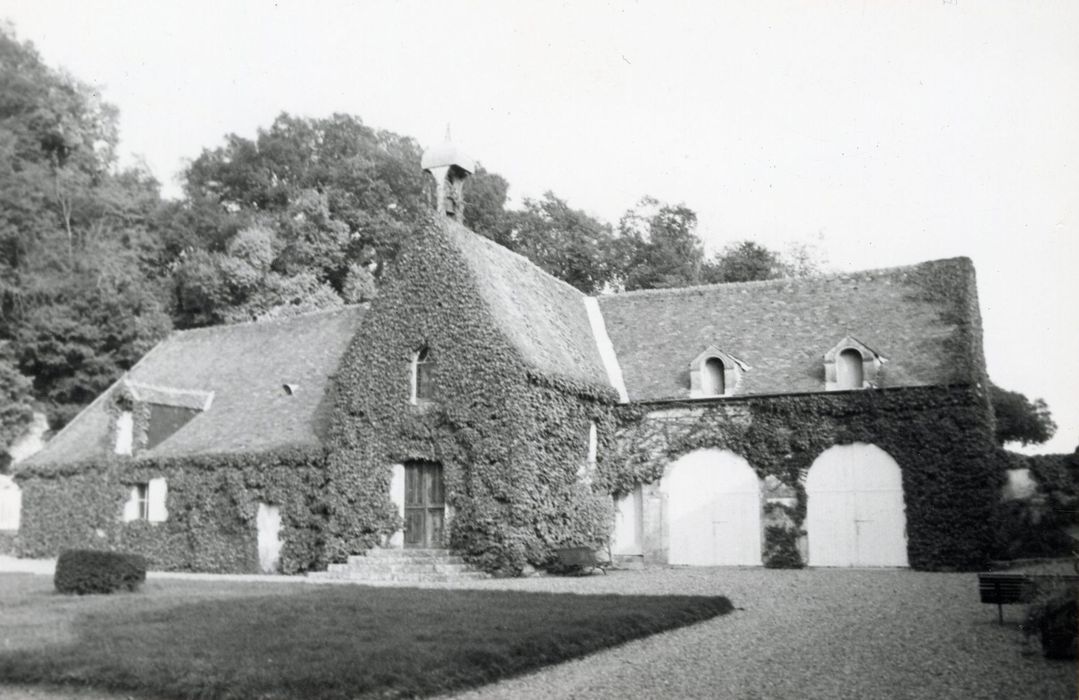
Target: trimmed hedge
(85, 571)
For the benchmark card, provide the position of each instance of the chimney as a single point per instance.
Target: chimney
(449, 167)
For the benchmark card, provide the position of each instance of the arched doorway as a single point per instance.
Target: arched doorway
(855, 512)
(713, 510)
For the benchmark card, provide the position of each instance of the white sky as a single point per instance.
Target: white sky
(887, 133)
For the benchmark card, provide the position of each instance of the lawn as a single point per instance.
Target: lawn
(188, 639)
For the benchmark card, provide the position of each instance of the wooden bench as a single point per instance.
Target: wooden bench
(1006, 589)
(579, 560)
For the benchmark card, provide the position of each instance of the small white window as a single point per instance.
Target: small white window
(125, 429)
(712, 380)
(423, 385)
(593, 443)
(848, 369)
(147, 502)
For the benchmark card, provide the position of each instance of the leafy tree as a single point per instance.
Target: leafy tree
(566, 242)
(78, 245)
(658, 246)
(16, 401)
(1019, 419)
(744, 261)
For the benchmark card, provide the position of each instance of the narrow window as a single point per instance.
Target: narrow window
(423, 381)
(848, 370)
(125, 429)
(593, 443)
(712, 382)
(137, 506)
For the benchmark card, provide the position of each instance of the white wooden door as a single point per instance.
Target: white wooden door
(856, 514)
(268, 521)
(713, 510)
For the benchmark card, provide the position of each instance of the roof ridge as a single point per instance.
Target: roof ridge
(268, 321)
(664, 291)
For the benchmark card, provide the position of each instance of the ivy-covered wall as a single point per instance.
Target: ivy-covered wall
(212, 503)
(511, 441)
(941, 437)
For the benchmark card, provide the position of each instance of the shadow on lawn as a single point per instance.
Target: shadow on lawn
(344, 642)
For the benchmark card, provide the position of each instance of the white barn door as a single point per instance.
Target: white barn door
(855, 514)
(713, 510)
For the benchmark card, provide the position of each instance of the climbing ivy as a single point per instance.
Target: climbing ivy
(511, 440)
(212, 504)
(941, 437)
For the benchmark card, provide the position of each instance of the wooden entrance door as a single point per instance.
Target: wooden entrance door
(425, 505)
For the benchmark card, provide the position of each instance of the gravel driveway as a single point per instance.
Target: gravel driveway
(807, 634)
(798, 634)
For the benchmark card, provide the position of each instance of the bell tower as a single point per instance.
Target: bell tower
(449, 166)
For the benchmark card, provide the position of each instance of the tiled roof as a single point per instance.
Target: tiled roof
(244, 366)
(782, 328)
(543, 317)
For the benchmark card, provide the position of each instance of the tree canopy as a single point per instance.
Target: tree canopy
(1019, 419)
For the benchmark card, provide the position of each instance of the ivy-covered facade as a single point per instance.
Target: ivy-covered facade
(483, 406)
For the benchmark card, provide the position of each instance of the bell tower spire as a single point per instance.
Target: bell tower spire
(449, 167)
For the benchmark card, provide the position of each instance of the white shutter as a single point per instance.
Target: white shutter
(155, 501)
(10, 503)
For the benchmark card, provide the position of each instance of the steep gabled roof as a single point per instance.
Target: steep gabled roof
(923, 318)
(243, 367)
(544, 318)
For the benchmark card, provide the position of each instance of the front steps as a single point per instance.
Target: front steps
(399, 566)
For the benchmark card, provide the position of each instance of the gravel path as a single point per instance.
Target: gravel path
(807, 634)
(798, 634)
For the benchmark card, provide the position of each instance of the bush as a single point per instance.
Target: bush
(90, 571)
(1054, 616)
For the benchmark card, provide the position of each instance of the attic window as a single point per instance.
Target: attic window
(850, 365)
(848, 369)
(712, 383)
(290, 389)
(125, 432)
(715, 373)
(423, 382)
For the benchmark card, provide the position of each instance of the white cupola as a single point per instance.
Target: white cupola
(449, 166)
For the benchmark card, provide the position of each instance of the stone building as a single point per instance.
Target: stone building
(481, 405)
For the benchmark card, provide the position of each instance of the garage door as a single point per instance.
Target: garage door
(856, 515)
(713, 510)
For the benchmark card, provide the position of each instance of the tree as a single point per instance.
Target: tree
(658, 246)
(78, 245)
(16, 401)
(565, 242)
(744, 261)
(1019, 419)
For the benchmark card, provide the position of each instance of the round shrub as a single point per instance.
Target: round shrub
(85, 571)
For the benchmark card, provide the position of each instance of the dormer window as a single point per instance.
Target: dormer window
(851, 364)
(423, 380)
(848, 370)
(125, 433)
(715, 373)
(712, 383)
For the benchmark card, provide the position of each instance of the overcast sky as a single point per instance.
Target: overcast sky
(885, 133)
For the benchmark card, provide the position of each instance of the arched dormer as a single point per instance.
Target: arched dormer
(714, 373)
(851, 364)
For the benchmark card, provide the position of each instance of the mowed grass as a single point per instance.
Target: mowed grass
(187, 639)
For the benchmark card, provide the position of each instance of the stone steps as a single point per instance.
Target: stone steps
(388, 566)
